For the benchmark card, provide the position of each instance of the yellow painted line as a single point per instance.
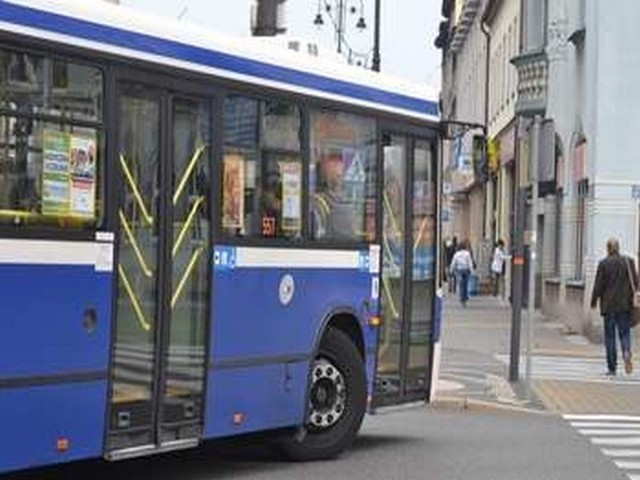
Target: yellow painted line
(136, 193)
(143, 264)
(134, 301)
(187, 272)
(186, 225)
(185, 176)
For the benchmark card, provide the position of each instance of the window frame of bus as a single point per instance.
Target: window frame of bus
(83, 229)
(256, 237)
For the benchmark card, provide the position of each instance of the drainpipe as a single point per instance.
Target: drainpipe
(487, 206)
(487, 34)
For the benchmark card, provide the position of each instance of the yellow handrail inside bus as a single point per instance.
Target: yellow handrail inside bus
(136, 193)
(19, 213)
(186, 225)
(185, 176)
(387, 204)
(134, 243)
(28, 214)
(134, 301)
(416, 240)
(385, 280)
(194, 258)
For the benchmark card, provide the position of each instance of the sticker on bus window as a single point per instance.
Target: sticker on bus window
(375, 288)
(233, 192)
(374, 259)
(291, 195)
(55, 173)
(68, 174)
(82, 168)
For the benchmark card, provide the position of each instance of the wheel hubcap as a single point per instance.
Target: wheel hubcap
(328, 394)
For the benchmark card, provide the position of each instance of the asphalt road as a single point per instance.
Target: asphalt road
(414, 443)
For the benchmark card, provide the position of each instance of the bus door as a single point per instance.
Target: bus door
(408, 280)
(158, 357)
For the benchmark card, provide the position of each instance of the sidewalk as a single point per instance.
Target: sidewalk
(567, 374)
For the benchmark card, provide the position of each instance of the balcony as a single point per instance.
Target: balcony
(532, 70)
(463, 24)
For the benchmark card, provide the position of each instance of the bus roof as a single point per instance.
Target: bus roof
(122, 31)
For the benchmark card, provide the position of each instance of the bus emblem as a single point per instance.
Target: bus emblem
(287, 288)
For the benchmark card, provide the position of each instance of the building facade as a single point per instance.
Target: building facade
(463, 102)
(575, 64)
(501, 22)
(580, 68)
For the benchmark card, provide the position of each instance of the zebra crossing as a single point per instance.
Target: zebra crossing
(579, 369)
(617, 437)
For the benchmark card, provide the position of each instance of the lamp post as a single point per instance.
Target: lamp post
(376, 40)
(339, 12)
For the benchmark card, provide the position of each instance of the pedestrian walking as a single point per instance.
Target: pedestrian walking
(498, 268)
(451, 246)
(614, 288)
(462, 267)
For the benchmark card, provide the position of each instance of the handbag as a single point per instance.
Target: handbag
(635, 312)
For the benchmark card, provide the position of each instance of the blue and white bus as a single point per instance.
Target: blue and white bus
(203, 237)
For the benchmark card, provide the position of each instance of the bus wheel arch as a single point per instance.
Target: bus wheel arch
(336, 396)
(347, 322)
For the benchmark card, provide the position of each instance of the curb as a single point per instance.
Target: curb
(466, 403)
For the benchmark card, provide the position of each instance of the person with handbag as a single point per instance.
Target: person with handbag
(615, 285)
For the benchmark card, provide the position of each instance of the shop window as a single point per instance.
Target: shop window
(342, 177)
(50, 161)
(262, 170)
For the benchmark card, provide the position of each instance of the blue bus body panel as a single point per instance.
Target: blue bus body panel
(34, 419)
(265, 397)
(53, 372)
(262, 345)
(249, 321)
(43, 309)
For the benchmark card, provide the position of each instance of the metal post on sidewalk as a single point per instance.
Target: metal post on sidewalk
(533, 240)
(517, 284)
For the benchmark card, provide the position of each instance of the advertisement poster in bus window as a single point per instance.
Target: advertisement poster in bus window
(82, 168)
(55, 173)
(291, 175)
(233, 191)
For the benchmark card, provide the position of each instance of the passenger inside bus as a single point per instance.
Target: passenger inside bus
(333, 216)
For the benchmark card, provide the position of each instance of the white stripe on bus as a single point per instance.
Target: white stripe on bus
(258, 257)
(218, 72)
(51, 252)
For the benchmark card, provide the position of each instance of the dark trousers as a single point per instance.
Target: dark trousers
(622, 322)
(463, 285)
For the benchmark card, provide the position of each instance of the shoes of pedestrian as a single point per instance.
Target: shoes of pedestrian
(628, 365)
(610, 374)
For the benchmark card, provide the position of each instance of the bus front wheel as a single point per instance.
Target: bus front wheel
(337, 401)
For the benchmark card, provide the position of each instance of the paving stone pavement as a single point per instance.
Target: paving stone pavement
(567, 370)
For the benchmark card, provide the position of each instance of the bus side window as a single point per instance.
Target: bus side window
(50, 171)
(262, 171)
(342, 177)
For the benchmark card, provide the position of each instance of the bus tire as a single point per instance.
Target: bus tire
(337, 401)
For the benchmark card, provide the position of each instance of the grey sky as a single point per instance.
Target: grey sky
(408, 28)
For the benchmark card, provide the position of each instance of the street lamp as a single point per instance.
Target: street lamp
(338, 12)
